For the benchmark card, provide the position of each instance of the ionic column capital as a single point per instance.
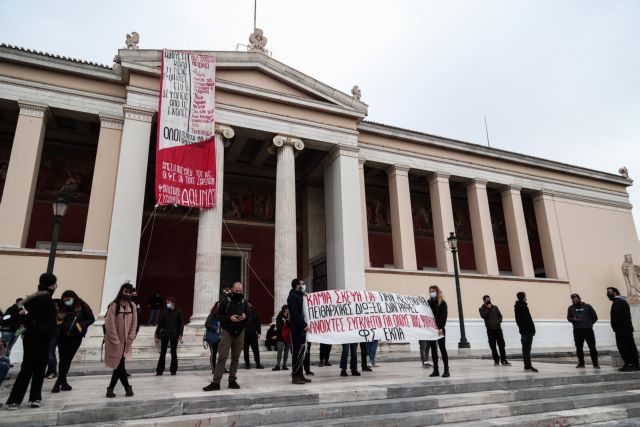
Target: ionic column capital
(34, 109)
(397, 170)
(225, 131)
(280, 141)
(109, 121)
(439, 177)
(139, 114)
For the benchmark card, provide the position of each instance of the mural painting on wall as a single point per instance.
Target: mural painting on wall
(65, 171)
(378, 213)
(461, 219)
(497, 223)
(249, 202)
(421, 213)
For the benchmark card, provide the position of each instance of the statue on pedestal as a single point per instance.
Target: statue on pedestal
(631, 275)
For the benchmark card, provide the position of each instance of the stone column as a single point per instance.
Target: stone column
(363, 204)
(483, 244)
(345, 261)
(549, 233)
(404, 245)
(128, 203)
(313, 228)
(285, 255)
(96, 234)
(22, 175)
(206, 288)
(442, 212)
(519, 250)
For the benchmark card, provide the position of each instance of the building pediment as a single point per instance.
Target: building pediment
(259, 76)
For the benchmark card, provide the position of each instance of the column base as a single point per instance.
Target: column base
(198, 320)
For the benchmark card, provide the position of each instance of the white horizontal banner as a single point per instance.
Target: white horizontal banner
(343, 317)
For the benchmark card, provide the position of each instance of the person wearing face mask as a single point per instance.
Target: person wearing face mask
(120, 323)
(439, 308)
(74, 318)
(232, 314)
(527, 329)
(40, 322)
(169, 332)
(583, 316)
(299, 330)
(492, 321)
(623, 328)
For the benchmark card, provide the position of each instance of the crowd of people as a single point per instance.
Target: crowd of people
(233, 327)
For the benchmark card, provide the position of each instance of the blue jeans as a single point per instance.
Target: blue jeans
(10, 338)
(52, 366)
(154, 313)
(373, 348)
(353, 347)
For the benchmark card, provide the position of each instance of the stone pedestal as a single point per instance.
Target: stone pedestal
(634, 305)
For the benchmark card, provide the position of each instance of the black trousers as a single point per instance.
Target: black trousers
(164, 343)
(34, 362)
(251, 341)
(213, 355)
(67, 348)
(297, 352)
(346, 348)
(627, 347)
(364, 354)
(434, 353)
(120, 373)
(325, 351)
(526, 340)
(307, 359)
(495, 337)
(579, 337)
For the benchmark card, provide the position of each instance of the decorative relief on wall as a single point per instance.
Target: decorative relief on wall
(422, 215)
(461, 219)
(65, 171)
(378, 213)
(249, 201)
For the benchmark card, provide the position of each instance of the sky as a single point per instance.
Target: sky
(555, 79)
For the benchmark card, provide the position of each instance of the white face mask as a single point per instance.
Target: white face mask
(170, 306)
(433, 294)
(303, 288)
(68, 302)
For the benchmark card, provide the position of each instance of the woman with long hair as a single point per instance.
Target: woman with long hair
(74, 318)
(120, 330)
(212, 335)
(439, 308)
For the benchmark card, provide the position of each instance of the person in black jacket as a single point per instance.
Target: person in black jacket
(527, 329)
(623, 328)
(40, 323)
(439, 308)
(11, 325)
(299, 330)
(169, 332)
(583, 316)
(252, 332)
(272, 338)
(74, 318)
(492, 321)
(233, 314)
(283, 337)
(154, 305)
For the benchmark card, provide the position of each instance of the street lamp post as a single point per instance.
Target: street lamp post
(59, 209)
(453, 244)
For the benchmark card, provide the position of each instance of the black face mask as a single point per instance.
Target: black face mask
(237, 296)
(611, 297)
(124, 297)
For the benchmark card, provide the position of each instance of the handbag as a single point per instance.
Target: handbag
(211, 338)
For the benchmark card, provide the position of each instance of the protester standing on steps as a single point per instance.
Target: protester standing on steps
(492, 321)
(252, 332)
(439, 308)
(212, 326)
(40, 322)
(364, 357)
(583, 316)
(299, 330)
(353, 364)
(623, 328)
(74, 318)
(154, 305)
(169, 332)
(527, 329)
(120, 323)
(233, 314)
(325, 352)
(284, 338)
(11, 324)
(425, 347)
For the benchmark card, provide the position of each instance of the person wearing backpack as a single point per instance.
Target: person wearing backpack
(74, 318)
(169, 331)
(233, 315)
(212, 335)
(11, 324)
(120, 330)
(283, 334)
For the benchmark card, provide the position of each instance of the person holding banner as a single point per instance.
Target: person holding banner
(299, 329)
(439, 307)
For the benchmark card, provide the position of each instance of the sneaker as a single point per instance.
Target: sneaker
(356, 373)
(505, 363)
(275, 368)
(596, 366)
(284, 368)
(259, 366)
(212, 387)
(234, 385)
(366, 369)
(128, 391)
(427, 365)
(11, 407)
(52, 375)
(435, 374)
(247, 366)
(35, 404)
(445, 374)
(56, 388)
(110, 392)
(309, 373)
(158, 374)
(343, 373)
(580, 365)
(532, 369)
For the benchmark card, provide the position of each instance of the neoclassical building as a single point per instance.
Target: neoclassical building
(306, 187)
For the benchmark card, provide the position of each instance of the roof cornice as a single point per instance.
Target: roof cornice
(494, 153)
